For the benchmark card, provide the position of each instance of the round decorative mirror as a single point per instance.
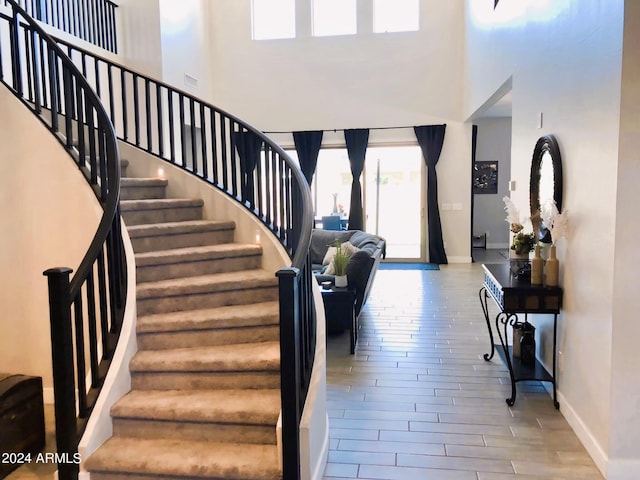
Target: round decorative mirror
(545, 181)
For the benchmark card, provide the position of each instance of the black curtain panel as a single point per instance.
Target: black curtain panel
(249, 146)
(356, 141)
(431, 138)
(308, 148)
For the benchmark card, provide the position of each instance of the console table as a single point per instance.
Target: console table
(513, 297)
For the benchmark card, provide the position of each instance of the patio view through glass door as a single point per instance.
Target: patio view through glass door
(394, 200)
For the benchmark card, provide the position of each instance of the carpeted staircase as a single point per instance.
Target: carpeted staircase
(205, 395)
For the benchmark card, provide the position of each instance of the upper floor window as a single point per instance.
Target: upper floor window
(273, 19)
(334, 17)
(396, 16)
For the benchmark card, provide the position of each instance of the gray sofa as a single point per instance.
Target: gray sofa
(362, 266)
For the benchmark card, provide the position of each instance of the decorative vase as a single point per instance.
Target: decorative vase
(528, 345)
(536, 267)
(335, 205)
(552, 267)
(341, 281)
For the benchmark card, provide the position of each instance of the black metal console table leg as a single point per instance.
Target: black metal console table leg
(507, 319)
(484, 295)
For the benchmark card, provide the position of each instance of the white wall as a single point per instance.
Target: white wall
(494, 144)
(625, 383)
(564, 57)
(358, 81)
(49, 217)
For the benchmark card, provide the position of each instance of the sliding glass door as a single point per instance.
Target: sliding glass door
(394, 200)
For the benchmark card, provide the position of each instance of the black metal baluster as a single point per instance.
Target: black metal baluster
(37, 71)
(283, 219)
(94, 23)
(96, 72)
(136, 109)
(160, 117)
(67, 81)
(53, 87)
(83, 19)
(102, 160)
(82, 153)
(223, 149)
(27, 59)
(234, 161)
(93, 333)
(102, 42)
(147, 102)
(270, 189)
(92, 145)
(194, 146)
(203, 143)
(214, 149)
(183, 147)
(172, 140)
(15, 53)
(125, 123)
(80, 363)
(112, 115)
(104, 312)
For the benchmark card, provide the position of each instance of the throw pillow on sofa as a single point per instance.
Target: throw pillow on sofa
(347, 249)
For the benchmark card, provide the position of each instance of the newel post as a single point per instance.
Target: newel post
(63, 369)
(290, 370)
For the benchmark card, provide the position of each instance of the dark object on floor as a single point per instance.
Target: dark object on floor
(528, 345)
(21, 419)
(408, 266)
(479, 241)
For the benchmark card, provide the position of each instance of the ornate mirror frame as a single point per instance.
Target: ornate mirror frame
(546, 145)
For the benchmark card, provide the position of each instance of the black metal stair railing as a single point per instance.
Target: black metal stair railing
(86, 309)
(249, 167)
(93, 21)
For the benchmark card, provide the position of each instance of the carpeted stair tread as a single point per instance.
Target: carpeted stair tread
(159, 204)
(174, 228)
(191, 254)
(163, 458)
(219, 282)
(242, 357)
(234, 316)
(143, 182)
(249, 407)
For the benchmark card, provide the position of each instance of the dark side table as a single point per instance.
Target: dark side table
(514, 296)
(339, 309)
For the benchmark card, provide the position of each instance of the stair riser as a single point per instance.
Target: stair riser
(207, 338)
(152, 273)
(203, 380)
(162, 215)
(142, 193)
(181, 240)
(205, 432)
(168, 303)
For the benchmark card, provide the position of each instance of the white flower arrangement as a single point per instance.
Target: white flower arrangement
(522, 242)
(556, 222)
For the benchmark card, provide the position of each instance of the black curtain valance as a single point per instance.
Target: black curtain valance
(431, 139)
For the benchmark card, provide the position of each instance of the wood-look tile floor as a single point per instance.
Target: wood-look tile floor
(418, 401)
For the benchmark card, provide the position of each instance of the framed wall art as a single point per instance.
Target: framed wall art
(485, 177)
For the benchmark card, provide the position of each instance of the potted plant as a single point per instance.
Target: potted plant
(340, 262)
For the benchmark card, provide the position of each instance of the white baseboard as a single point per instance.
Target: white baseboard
(459, 259)
(593, 448)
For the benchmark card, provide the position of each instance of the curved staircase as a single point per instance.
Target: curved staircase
(205, 395)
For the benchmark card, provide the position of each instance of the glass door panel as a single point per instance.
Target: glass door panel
(394, 202)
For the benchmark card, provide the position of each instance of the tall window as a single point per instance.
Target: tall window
(396, 16)
(273, 19)
(334, 17)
